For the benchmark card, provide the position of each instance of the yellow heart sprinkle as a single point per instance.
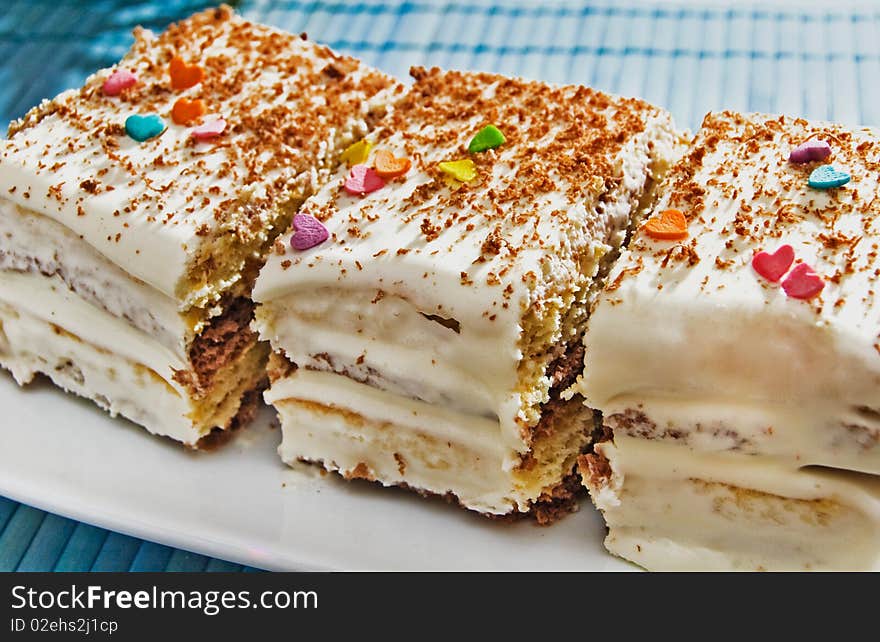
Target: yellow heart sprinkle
(451, 183)
(460, 170)
(357, 153)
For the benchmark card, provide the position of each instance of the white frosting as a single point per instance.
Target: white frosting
(359, 303)
(154, 199)
(720, 346)
(429, 297)
(710, 358)
(134, 235)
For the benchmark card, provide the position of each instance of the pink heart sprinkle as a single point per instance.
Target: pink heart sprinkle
(803, 282)
(119, 80)
(309, 232)
(812, 150)
(211, 129)
(363, 180)
(773, 266)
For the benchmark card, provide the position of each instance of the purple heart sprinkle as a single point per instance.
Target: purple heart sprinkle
(308, 233)
(812, 150)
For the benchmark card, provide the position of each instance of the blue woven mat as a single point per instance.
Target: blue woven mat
(818, 60)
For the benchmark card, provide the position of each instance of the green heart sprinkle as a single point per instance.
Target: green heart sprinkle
(489, 137)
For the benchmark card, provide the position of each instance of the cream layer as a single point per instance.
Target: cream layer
(49, 299)
(361, 431)
(47, 329)
(760, 377)
(389, 342)
(32, 242)
(818, 431)
(671, 508)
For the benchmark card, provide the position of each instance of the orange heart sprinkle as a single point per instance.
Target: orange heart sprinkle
(186, 111)
(184, 76)
(388, 166)
(668, 225)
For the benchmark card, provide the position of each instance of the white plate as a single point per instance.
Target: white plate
(241, 503)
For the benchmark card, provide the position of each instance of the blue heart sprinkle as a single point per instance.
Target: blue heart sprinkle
(143, 128)
(826, 176)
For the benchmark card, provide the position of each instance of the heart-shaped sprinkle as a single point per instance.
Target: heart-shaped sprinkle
(211, 129)
(143, 128)
(668, 225)
(461, 170)
(774, 266)
(803, 282)
(489, 137)
(118, 81)
(308, 232)
(356, 153)
(812, 150)
(186, 111)
(826, 177)
(388, 166)
(363, 180)
(184, 76)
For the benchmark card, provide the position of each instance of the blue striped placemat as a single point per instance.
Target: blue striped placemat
(815, 59)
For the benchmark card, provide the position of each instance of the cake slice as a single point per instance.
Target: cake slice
(428, 306)
(735, 357)
(135, 213)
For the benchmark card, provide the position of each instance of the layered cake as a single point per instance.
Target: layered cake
(735, 357)
(135, 213)
(428, 304)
